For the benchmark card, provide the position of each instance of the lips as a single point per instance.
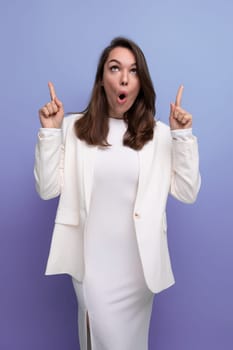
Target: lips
(122, 97)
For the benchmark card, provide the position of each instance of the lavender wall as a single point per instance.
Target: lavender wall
(187, 42)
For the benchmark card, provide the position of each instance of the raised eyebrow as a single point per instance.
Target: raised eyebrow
(114, 60)
(118, 62)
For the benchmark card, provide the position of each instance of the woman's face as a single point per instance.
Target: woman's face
(120, 81)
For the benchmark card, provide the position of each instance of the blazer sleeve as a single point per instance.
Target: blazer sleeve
(49, 164)
(185, 176)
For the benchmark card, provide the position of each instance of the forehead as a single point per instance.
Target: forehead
(123, 55)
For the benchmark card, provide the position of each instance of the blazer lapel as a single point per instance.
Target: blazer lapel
(89, 154)
(146, 157)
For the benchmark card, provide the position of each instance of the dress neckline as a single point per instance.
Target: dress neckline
(115, 118)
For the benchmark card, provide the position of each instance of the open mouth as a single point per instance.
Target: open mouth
(122, 97)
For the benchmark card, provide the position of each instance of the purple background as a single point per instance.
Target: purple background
(187, 42)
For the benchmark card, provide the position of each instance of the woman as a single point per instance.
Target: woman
(113, 166)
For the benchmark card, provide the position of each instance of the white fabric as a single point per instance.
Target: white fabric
(64, 166)
(177, 134)
(114, 290)
(181, 134)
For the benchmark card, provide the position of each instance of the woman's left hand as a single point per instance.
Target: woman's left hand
(179, 118)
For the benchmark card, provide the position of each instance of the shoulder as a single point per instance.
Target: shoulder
(68, 125)
(70, 118)
(162, 139)
(162, 126)
(162, 130)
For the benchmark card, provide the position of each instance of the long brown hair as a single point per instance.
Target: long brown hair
(93, 127)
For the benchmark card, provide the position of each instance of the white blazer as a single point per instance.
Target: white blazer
(64, 166)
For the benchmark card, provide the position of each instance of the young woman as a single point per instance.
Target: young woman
(113, 166)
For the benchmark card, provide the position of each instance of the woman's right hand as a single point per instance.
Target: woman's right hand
(52, 114)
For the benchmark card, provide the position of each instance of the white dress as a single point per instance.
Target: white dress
(113, 292)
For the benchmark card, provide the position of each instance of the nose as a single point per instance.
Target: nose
(124, 78)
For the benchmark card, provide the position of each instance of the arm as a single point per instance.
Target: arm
(185, 177)
(48, 169)
(49, 155)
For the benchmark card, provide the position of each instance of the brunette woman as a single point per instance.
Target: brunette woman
(113, 166)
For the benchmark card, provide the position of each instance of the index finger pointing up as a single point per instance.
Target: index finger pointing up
(179, 96)
(52, 91)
